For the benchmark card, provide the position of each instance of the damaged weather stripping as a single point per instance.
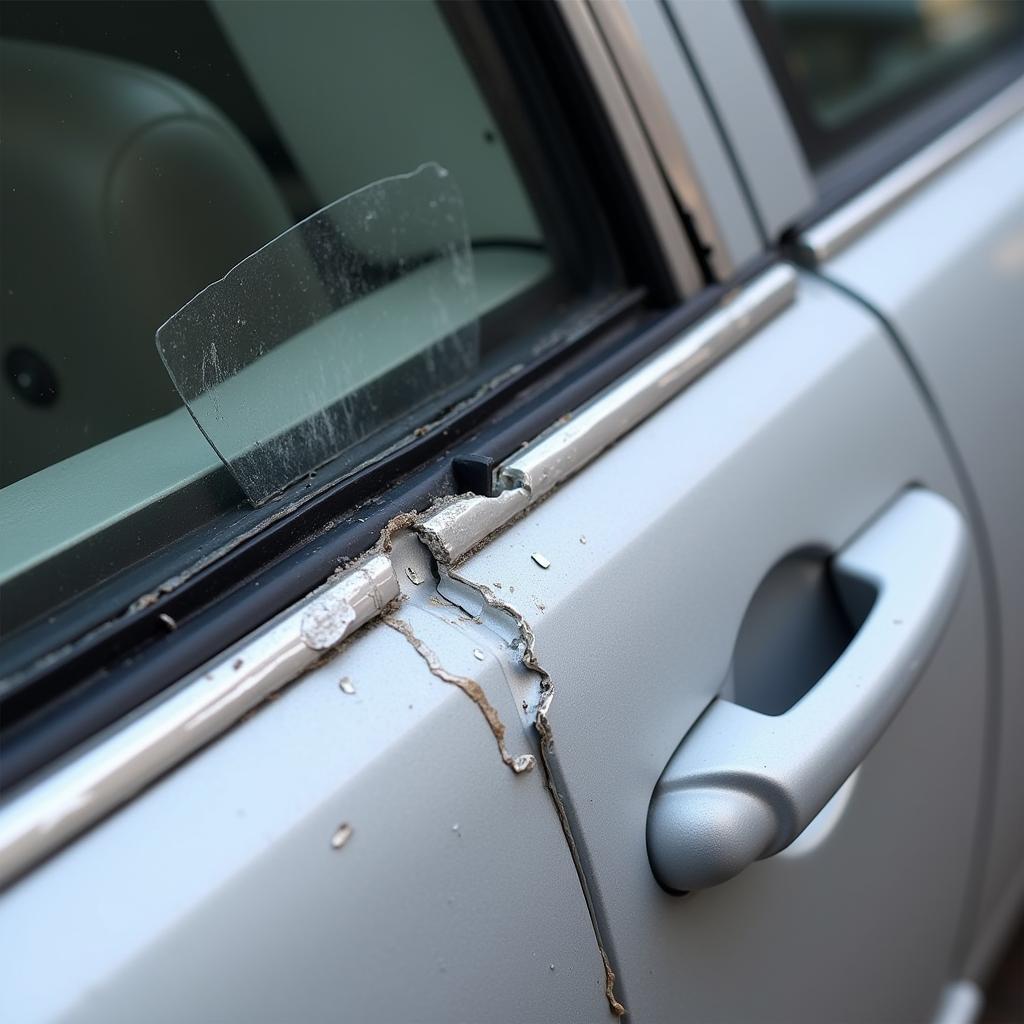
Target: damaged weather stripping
(327, 342)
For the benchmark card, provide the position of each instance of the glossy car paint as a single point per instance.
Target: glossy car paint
(800, 438)
(946, 269)
(232, 890)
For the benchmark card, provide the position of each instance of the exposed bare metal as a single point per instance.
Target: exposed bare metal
(470, 687)
(452, 528)
(543, 726)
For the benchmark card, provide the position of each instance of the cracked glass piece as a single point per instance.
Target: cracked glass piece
(331, 342)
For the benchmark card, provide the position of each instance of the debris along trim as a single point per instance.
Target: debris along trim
(58, 808)
(55, 810)
(454, 527)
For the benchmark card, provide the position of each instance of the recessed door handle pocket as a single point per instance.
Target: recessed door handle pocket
(743, 785)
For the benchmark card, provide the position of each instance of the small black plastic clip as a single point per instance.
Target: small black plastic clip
(474, 473)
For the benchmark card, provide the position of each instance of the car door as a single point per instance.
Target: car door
(163, 141)
(704, 625)
(913, 209)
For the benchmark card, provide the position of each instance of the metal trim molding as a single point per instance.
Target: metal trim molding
(679, 256)
(833, 234)
(456, 527)
(96, 782)
(104, 776)
(670, 149)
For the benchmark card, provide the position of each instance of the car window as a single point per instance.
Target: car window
(848, 66)
(149, 149)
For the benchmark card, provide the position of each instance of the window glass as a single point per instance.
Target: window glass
(332, 333)
(846, 64)
(149, 148)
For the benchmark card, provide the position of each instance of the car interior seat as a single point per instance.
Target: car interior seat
(124, 194)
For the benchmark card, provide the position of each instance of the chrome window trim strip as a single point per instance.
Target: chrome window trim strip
(675, 246)
(670, 149)
(602, 421)
(95, 782)
(134, 754)
(838, 230)
(457, 527)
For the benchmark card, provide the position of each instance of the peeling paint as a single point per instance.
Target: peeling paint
(326, 620)
(350, 597)
(403, 521)
(452, 528)
(470, 687)
(543, 726)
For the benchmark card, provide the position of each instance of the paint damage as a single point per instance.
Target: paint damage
(341, 836)
(470, 687)
(326, 621)
(449, 530)
(350, 598)
(528, 656)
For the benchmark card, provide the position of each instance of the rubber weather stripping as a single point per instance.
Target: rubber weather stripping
(53, 811)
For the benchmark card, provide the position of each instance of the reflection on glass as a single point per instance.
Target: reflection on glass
(339, 330)
(851, 57)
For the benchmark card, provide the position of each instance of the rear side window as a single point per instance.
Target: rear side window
(150, 148)
(848, 67)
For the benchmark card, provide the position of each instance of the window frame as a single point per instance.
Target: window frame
(75, 672)
(845, 162)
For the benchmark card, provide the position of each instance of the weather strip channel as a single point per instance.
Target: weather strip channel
(52, 811)
(455, 527)
(56, 809)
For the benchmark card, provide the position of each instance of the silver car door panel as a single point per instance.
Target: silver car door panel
(945, 266)
(635, 587)
(798, 440)
(89, 786)
(355, 850)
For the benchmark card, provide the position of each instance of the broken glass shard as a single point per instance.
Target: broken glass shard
(331, 342)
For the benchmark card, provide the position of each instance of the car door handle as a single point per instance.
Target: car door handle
(743, 785)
